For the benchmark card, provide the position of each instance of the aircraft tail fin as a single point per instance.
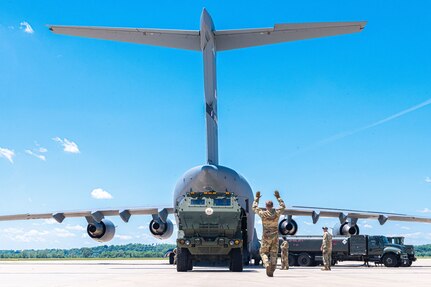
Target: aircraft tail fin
(236, 39)
(181, 39)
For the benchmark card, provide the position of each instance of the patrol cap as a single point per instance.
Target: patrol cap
(325, 228)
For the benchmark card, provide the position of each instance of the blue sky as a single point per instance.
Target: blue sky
(319, 119)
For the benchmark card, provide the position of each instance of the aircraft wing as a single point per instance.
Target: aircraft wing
(343, 214)
(96, 215)
(182, 39)
(236, 39)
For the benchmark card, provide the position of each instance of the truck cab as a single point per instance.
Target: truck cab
(410, 249)
(382, 251)
(210, 229)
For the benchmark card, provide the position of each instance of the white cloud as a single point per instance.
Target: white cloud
(50, 221)
(39, 156)
(412, 235)
(27, 27)
(42, 150)
(366, 225)
(425, 210)
(76, 227)
(405, 227)
(428, 179)
(20, 235)
(7, 153)
(124, 237)
(63, 233)
(142, 227)
(68, 146)
(307, 223)
(99, 193)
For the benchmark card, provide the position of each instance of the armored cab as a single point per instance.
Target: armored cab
(209, 225)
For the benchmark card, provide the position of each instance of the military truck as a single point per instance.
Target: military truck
(410, 249)
(210, 228)
(305, 250)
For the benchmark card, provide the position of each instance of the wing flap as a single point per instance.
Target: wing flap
(181, 39)
(236, 39)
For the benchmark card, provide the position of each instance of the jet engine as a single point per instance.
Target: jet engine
(102, 231)
(346, 229)
(287, 227)
(160, 229)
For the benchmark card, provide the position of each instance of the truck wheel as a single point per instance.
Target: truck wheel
(190, 263)
(304, 259)
(236, 263)
(390, 260)
(292, 260)
(171, 258)
(183, 259)
(408, 264)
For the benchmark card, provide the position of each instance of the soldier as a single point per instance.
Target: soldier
(175, 256)
(326, 249)
(269, 244)
(285, 255)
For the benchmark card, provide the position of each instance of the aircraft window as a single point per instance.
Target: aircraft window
(222, 202)
(198, 201)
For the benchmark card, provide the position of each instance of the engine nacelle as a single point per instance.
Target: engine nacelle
(286, 227)
(160, 229)
(102, 231)
(346, 229)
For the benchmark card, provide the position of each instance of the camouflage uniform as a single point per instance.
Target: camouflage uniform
(269, 244)
(285, 255)
(175, 256)
(327, 250)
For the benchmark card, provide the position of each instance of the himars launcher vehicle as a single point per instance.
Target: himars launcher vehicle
(212, 203)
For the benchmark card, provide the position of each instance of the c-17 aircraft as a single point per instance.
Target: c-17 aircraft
(211, 202)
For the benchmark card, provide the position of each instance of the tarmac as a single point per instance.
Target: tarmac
(106, 273)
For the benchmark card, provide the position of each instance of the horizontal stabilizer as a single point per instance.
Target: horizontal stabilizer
(181, 39)
(236, 39)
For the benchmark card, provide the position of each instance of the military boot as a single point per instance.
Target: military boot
(269, 271)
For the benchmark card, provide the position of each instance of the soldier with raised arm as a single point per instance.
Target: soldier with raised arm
(269, 244)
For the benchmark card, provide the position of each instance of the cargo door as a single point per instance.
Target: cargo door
(358, 245)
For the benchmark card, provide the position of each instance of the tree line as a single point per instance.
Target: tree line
(423, 250)
(120, 251)
(105, 251)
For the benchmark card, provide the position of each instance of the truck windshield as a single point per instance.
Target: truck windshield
(385, 240)
(197, 201)
(222, 202)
